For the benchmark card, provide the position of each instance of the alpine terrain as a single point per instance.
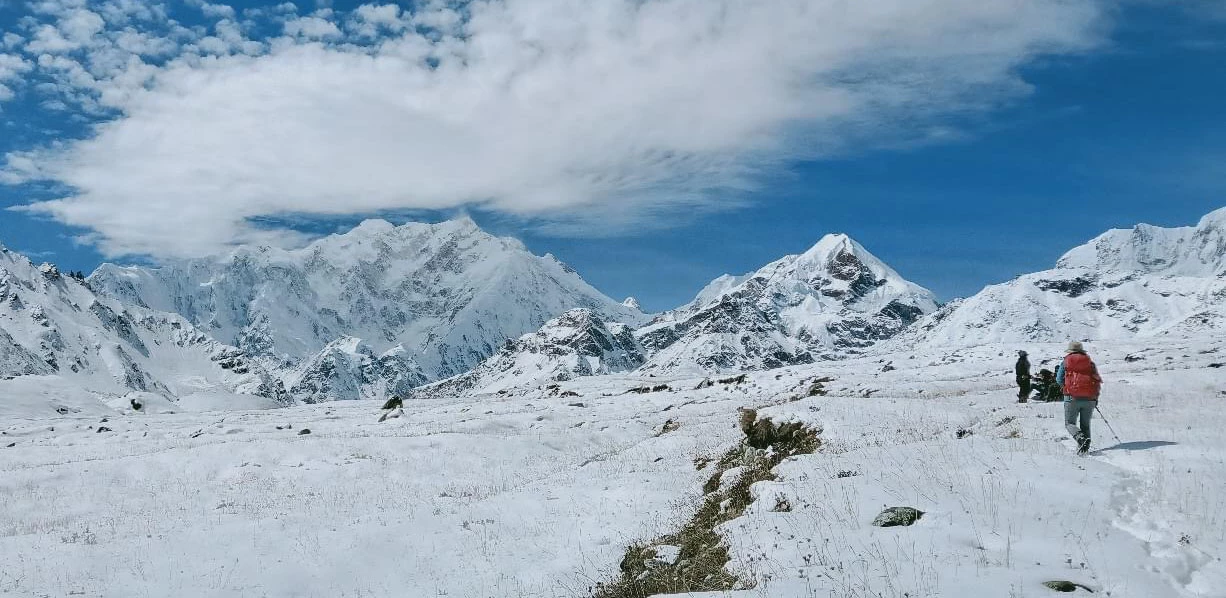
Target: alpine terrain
(1144, 282)
(371, 312)
(833, 301)
(62, 346)
(589, 459)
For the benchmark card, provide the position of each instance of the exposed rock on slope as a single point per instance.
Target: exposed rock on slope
(577, 343)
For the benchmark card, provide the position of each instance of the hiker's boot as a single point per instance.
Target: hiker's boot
(1083, 445)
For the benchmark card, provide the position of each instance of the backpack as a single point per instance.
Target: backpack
(1081, 379)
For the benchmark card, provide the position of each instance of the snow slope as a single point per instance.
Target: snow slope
(832, 301)
(440, 297)
(523, 494)
(55, 333)
(1145, 282)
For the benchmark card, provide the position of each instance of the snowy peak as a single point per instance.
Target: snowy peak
(1182, 251)
(830, 301)
(1146, 281)
(448, 294)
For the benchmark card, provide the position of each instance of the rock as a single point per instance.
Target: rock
(136, 405)
(103, 429)
(392, 414)
(11, 445)
(393, 403)
(577, 405)
(1065, 586)
(898, 516)
(304, 431)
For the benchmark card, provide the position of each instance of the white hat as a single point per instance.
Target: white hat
(1076, 347)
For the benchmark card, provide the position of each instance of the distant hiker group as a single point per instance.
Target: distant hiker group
(1076, 381)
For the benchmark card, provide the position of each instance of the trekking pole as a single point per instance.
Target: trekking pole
(1100, 414)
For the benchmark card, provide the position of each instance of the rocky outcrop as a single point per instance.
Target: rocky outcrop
(577, 343)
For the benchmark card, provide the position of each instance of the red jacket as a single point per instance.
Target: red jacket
(1081, 379)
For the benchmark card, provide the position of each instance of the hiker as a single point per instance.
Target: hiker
(1022, 372)
(1079, 378)
(1046, 387)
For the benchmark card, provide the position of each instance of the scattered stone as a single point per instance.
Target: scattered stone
(898, 516)
(569, 393)
(1217, 365)
(576, 405)
(304, 431)
(1133, 358)
(391, 414)
(11, 445)
(670, 425)
(782, 505)
(734, 380)
(964, 432)
(847, 474)
(889, 367)
(104, 420)
(197, 433)
(1065, 586)
(136, 405)
(103, 429)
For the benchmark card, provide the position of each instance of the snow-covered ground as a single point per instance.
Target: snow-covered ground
(537, 493)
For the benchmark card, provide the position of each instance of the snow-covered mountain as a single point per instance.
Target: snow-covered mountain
(54, 327)
(576, 344)
(834, 300)
(427, 301)
(1146, 281)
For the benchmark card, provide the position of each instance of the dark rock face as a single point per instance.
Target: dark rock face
(1074, 287)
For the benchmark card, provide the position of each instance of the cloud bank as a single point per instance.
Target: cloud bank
(587, 114)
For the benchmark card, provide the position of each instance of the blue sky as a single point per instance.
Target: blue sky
(956, 180)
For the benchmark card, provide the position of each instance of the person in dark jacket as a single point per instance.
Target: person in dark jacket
(1022, 372)
(1079, 378)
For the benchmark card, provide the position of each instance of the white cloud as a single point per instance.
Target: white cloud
(11, 40)
(312, 28)
(48, 39)
(213, 11)
(81, 25)
(369, 19)
(583, 113)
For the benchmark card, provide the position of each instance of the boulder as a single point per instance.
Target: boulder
(898, 516)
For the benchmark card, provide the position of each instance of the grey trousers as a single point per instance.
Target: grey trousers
(1078, 408)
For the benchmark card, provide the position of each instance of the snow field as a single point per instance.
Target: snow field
(522, 494)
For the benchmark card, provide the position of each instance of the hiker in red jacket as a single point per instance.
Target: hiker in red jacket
(1079, 378)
